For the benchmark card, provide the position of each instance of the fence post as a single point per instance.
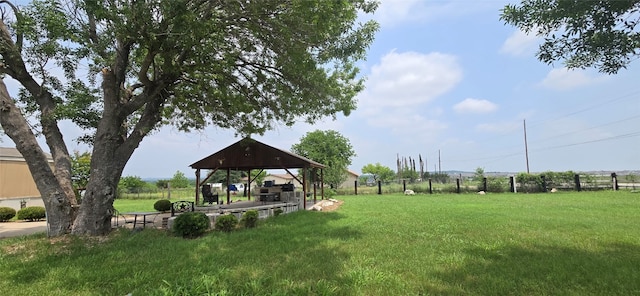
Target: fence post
(512, 184)
(484, 184)
(458, 185)
(576, 179)
(614, 180)
(430, 188)
(355, 187)
(544, 183)
(379, 187)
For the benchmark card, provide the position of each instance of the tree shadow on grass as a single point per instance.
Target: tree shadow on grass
(297, 253)
(545, 270)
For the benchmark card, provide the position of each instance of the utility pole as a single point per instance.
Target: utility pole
(439, 163)
(526, 148)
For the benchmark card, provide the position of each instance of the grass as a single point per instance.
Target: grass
(524, 244)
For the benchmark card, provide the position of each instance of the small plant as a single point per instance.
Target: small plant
(277, 212)
(32, 213)
(250, 219)
(226, 223)
(6, 213)
(191, 224)
(163, 205)
(330, 193)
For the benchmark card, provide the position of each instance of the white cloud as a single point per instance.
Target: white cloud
(471, 105)
(520, 44)
(409, 79)
(391, 12)
(407, 122)
(565, 79)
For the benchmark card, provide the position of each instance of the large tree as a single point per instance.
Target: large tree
(582, 33)
(121, 69)
(329, 148)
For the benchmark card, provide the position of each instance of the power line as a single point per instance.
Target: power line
(504, 156)
(629, 135)
(587, 129)
(629, 95)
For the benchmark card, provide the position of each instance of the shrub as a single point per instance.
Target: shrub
(226, 223)
(32, 213)
(6, 213)
(163, 205)
(191, 224)
(277, 212)
(497, 185)
(250, 219)
(329, 193)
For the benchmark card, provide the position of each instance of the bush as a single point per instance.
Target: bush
(250, 219)
(32, 213)
(6, 213)
(497, 185)
(329, 193)
(226, 223)
(163, 205)
(277, 212)
(191, 224)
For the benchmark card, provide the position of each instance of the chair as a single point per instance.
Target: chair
(182, 206)
(208, 196)
(116, 217)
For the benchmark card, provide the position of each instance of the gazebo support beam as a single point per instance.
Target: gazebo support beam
(228, 191)
(197, 186)
(304, 187)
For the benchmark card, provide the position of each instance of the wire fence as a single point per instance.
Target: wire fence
(528, 183)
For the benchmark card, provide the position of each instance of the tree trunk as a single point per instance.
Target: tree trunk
(56, 201)
(96, 209)
(112, 149)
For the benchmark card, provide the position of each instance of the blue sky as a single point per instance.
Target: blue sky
(450, 77)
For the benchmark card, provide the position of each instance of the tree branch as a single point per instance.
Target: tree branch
(44, 99)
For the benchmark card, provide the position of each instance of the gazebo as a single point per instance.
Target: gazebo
(248, 154)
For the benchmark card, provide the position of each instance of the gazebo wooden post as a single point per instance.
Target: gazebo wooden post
(197, 186)
(304, 187)
(228, 192)
(249, 185)
(314, 186)
(322, 183)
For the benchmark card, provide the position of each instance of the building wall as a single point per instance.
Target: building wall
(16, 180)
(349, 182)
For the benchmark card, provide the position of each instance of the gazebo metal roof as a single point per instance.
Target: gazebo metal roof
(248, 154)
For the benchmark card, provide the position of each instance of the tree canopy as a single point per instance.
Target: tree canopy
(179, 180)
(121, 69)
(80, 169)
(329, 148)
(379, 172)
(582, 33)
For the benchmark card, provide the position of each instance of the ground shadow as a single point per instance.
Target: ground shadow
(546, 270)
(261, 259)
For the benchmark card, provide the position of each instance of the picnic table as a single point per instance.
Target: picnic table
(143, 215)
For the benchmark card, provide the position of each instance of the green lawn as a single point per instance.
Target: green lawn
(584, 243)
